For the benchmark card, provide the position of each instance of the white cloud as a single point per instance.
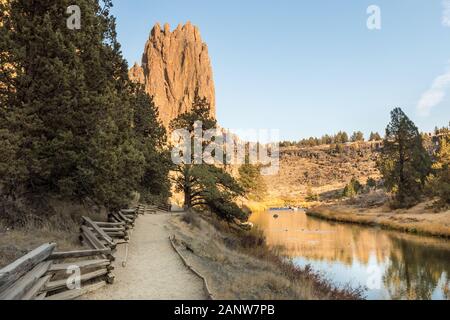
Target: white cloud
(446, 13)
(435, 94)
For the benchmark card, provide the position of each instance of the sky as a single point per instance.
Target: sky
(308, 68)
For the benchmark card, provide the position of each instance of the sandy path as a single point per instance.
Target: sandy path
(153, 270)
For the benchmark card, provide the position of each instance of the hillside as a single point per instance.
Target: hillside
(324, 168)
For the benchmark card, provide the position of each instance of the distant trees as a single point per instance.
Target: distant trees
(339, 138)
(357, 136)
(374, 136)
(404, 162)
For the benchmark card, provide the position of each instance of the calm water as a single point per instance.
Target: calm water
(390, 265)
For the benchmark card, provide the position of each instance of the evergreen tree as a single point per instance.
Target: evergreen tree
(357, 136)
(206, 185)
(68, 119)
(352, 188)
(251, 180)
(374, 136)
(341, 137)
(404, 163)
(440, 179)
(151, 139)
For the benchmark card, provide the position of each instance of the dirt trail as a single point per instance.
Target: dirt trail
(153, 269)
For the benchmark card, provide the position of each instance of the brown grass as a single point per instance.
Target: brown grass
(420, 219)
(238, 264)
(31, 231)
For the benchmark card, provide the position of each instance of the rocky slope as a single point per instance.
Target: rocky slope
(323, 169)
(175, 67)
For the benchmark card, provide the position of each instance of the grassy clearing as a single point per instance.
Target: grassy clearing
(239, 265)
(419, 220)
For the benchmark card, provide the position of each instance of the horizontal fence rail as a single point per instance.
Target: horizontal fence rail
(51, 275)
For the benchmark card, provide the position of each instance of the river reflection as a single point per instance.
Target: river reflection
(390, 265)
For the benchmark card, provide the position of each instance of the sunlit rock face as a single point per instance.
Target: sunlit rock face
(175, 67)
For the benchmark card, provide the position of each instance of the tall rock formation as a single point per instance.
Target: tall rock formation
(175, 67)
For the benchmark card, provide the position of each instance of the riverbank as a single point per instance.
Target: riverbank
(420, 219)
(239, 264)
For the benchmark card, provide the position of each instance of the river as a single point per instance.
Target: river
(387, 264)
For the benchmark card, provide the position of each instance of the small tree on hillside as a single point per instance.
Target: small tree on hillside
(403, 163)
(357, 136)
(374, 136)
(352, 188)
(251, 180)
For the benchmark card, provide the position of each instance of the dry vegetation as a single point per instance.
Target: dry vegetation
(323, 169)
(372, 209)
(30, 231)
(239, 264)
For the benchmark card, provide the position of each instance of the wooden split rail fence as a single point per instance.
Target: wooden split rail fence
(46, 274)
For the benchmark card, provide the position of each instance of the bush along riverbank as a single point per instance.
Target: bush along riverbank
(238, 264)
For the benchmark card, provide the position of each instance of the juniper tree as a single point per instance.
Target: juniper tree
(357, 136)
(151, 138)
(206, 185)
(68, 118)
(404, 162)
(252, 181)
(374, 136)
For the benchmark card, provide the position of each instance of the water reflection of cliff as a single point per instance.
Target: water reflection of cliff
(416, 267)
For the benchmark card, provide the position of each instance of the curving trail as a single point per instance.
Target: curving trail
(153, 270)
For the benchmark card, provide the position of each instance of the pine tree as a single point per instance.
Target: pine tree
(151, 139)
(404, 162)
(374, 136)
(251, 180)
(206, 185)
(67, 120)
(357, 136)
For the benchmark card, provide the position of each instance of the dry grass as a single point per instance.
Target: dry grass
(239, 265)
(420, 219)
(33, 230)
(321, 169)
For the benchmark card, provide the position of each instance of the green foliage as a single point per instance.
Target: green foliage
(439, 180)
(150, 135)
(404, 162)
(374, 136)
(67, 107)
(251, 180)
(340, 138)
(353, 188)
(206, 185)
(357, 136)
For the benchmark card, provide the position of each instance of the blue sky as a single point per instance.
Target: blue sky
(312, 67)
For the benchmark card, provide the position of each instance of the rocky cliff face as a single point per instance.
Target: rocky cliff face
(175, 67)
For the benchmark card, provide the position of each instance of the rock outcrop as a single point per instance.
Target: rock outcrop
(175, 67)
